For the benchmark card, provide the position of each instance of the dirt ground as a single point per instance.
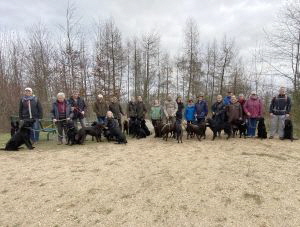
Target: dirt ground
(150, 182)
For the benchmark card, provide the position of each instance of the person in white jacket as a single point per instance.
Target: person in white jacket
(170, 109)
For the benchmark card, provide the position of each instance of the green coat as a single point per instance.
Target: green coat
(156, 113)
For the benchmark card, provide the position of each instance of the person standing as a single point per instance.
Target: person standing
(78, 108)
(234, 110)
(117, 110)
(156, 114)
(280, 108)
(242, 101)
(180, 107)
(30, 108)
(61, 113)
(131, 114)
(100, 108)
(189, 112)
(218, 110)
(170, 109)
(253, 108)
(201, 109)
(141, 109)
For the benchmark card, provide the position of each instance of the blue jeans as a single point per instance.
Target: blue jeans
(251, 126)
(35, 134)
(101, 120)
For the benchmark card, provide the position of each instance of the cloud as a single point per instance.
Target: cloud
(242, 19)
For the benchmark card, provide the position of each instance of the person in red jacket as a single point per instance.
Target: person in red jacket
(253, 108)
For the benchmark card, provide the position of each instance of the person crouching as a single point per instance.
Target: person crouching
(113, 126)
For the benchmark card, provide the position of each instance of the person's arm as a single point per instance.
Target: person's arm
(245, 107)
(52, 112)
(40, 110)
(165, 110)
(288, 105)
(21, 110)
(175, 108)
(206, 109)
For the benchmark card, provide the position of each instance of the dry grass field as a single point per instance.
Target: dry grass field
(150, 182)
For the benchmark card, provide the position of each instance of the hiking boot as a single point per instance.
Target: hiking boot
(281, 138)
(271, 137)
(59, 143)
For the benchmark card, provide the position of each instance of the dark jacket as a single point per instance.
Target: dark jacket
(111, 123)
(218, 109)
(131, 109)
(201, 109)
(180, 109)
(79, 107)
(281, 105)
(100, 108)
(116, 109)
(36, 108)
(140, 110)
(234, 112)
(54, 110)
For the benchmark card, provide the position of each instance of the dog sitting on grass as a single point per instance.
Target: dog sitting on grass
(261, 129)
(21, 137)
(288, 130)
(71, 133)
(14, 128)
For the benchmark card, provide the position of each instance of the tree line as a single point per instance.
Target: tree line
(66, 60)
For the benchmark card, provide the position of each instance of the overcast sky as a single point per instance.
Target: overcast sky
(242, 19)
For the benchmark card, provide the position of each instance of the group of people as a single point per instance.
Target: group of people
(228, 109)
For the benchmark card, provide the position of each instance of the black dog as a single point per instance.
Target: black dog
(261, 129)
(21, 137)
(126, 127)
(218, 127)
(288, 130)
(71, 133)
(239, 126)
(144, 127)
(197, 129)
(94, 130)
(14, 128)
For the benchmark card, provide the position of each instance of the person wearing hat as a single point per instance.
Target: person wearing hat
(100, 108)
(253, 108)
(280, 108)
(218, 110)
(227, 99)
(31, 108)
(201, 109)
(189, 112)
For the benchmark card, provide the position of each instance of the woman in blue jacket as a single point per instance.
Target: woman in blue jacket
(189, 112)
